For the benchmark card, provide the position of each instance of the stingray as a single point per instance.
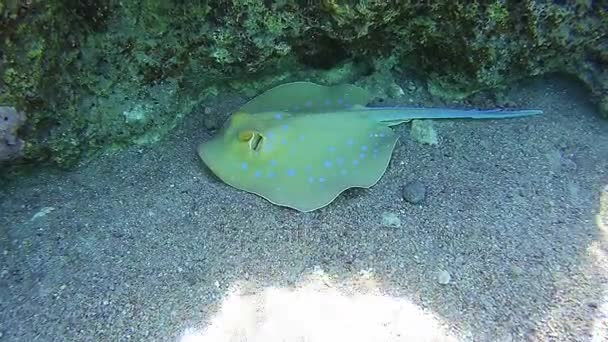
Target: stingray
(301, 144)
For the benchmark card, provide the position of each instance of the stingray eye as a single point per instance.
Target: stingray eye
(253, 138)
(246, 136)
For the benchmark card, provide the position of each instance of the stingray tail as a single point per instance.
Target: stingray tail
(396, 115)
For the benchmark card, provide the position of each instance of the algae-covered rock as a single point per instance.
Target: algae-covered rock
(93, 74)
(424, 132)
(11, 147)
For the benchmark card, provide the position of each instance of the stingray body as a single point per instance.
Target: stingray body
(301, 144)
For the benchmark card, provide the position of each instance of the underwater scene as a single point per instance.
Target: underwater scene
(329, 170)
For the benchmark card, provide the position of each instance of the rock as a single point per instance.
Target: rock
(443, 277)
(516, 270)
(210, 121)
(42, 213)
(414, 192)
(395, 91)
(424, 132)
(11, 147)
(603, 106)
(391, 220)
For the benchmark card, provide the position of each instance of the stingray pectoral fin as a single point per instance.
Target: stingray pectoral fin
(209, 152)
(307, 97)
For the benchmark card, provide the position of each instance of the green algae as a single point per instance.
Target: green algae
(76, 68)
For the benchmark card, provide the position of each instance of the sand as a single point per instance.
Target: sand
(146, 245)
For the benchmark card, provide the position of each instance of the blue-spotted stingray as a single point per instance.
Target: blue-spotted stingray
(301, 144)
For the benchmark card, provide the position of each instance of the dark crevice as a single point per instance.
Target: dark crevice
(320, 51)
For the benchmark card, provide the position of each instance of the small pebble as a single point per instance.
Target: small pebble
(516, 270)
(603, 106)
(395, 91)
(414, 192)
(43, 212)
(424, 132)
(443, 277)
(391, 220)
(210, 121)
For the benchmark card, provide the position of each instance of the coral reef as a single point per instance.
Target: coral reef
(93, 74)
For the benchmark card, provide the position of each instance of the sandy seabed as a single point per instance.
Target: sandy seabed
(146, 245)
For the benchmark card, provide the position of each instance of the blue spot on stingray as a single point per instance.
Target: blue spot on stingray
(308, 167)
(340, 101)
(364, 148)
(327, 102)
(271, 174)
(327, 163)
(321, 179)
(278, 116)
(270, 135)
(381, 135)
(311, 179)
(331, 149)
(273, 162)
(350, 142)
(362, 155)
(343, 172)
(375, 150)
(296, 108)
(301, 137)
(284, 127)
(258, 174)
(284, 141)
(308, 104)
(340, 161)
(355, 162)
(291, 172)
(244, 166)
